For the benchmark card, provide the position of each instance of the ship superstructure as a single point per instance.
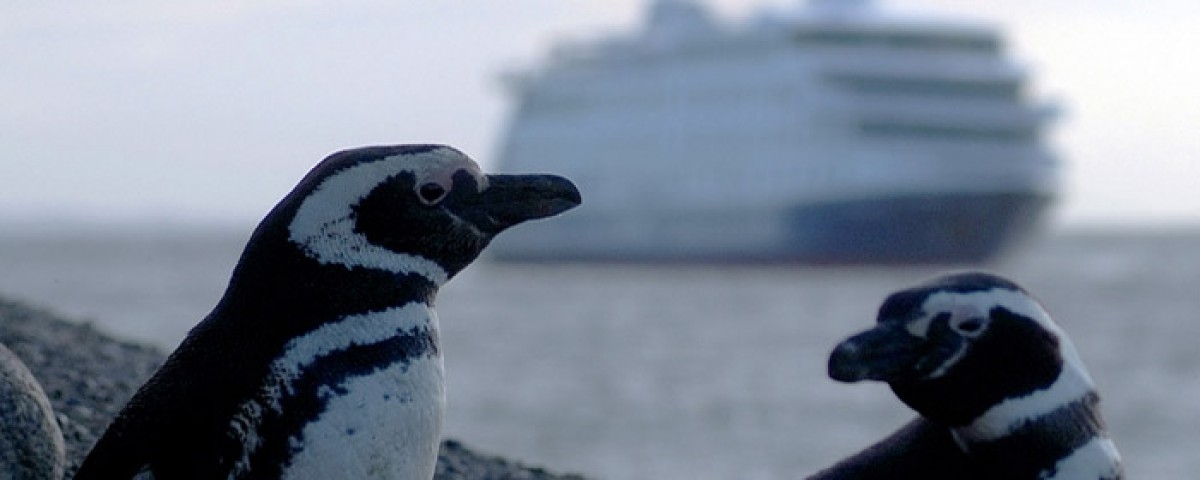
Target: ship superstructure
(836, 132)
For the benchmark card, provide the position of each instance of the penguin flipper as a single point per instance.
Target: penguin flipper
(918, 450)
(119, 454)
(136, 438)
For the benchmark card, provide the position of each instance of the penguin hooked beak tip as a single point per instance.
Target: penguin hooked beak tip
(885, 353)
(512, 199)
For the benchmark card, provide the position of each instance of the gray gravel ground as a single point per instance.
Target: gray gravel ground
(89, 376)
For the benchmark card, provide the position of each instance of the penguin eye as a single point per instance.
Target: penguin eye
(431, 193)
(969, 327)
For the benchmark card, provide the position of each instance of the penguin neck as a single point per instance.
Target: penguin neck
(1037, 432)
(1021, 410)
(276, 278)
(404, 332)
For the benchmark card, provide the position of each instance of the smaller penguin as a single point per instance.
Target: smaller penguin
(31, 443)
(1001, 391)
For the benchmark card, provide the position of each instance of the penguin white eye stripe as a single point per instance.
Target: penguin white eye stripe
(446, 163)
(324, 226)
(979, 303)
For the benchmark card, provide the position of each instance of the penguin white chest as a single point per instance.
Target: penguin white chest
(386, 425)
(360, 397)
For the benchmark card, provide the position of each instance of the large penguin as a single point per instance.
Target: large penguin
(322, 358)
(1001, 391)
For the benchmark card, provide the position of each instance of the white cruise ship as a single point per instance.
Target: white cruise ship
(835, 132)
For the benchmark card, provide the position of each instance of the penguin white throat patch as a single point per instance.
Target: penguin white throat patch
(323, 225)
(363, 398)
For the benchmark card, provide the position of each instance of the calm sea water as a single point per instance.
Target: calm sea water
(687, 372)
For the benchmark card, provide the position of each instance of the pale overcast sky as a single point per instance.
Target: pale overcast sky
(211, 110)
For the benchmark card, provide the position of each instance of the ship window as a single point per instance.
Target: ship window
(945, 132)
(1005, 90)
(904, 40)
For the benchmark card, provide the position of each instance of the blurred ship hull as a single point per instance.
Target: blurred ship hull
(933, 229)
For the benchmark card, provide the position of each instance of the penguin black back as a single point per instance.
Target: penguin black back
(322, 358)
(1001, 391)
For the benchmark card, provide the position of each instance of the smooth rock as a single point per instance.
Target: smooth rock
(31, 443)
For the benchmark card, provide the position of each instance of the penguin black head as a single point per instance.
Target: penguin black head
(425, 209)
(959, 345)
(979, 359)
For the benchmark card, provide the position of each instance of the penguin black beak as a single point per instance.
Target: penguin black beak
(885, 353)
(512, 199)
